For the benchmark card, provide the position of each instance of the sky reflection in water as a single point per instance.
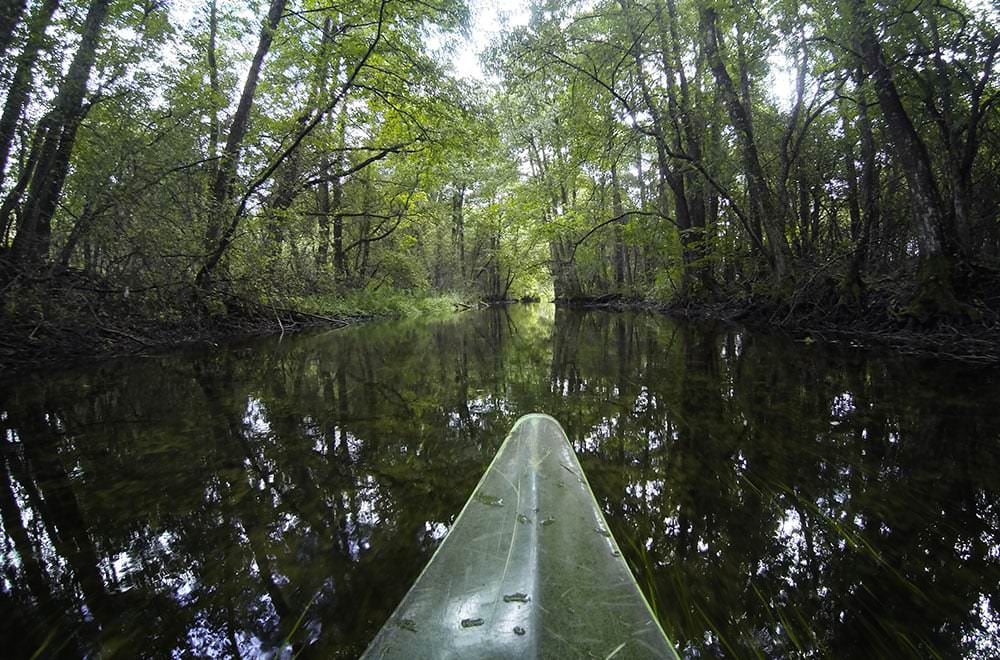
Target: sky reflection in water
(774, 499)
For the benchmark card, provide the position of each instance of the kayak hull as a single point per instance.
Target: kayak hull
(529, 569)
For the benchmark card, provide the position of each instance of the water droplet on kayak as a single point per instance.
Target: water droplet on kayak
(521, 518)
(615, 553)
(408, 624)
(547, 521)
(489, 500)
(471, 623)
(561, 484)
(518, 630)
(603, 532)
(516, 598)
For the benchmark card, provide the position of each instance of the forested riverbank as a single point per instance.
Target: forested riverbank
(181, 171)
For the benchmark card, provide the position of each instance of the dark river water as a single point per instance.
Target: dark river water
(277, 498)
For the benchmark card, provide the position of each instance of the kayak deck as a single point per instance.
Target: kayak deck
(529, 569)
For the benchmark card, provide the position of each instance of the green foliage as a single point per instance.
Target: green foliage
(366, 303)
(648, 130)
(729, 148)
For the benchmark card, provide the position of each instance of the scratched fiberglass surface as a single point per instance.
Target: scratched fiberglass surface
(280, 497)
(529, 569)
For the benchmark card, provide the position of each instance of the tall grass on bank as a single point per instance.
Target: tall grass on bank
(384, 303)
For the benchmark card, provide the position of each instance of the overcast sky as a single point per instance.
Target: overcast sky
(489, 17)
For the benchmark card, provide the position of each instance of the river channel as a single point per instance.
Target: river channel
(277, 497)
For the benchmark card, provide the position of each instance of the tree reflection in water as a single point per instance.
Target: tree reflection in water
(774, 499)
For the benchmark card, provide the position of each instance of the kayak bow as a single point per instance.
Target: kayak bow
(529, 569)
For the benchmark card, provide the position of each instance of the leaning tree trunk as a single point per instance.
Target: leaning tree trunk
(762, 204)
(31, 243)
(13, 199)
(20, 83)
(936, 295)
(910, 152)
(221, 192)
(10, 14)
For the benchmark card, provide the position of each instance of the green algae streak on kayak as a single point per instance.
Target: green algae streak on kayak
(528, 570)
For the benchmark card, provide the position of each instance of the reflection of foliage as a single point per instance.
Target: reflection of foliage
(780, 502)
(771, 500)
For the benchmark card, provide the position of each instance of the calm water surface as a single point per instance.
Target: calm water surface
(774, 499)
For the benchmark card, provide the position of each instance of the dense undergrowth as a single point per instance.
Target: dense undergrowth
(72, 317)
(891, 312)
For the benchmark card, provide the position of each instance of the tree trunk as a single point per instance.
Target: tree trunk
(494, 270)
(458, 227)
(20, 84)
(864, 205)
(853, 202)
(910, 152)
(868, 183)
(744, 71)
(213, 82)
(10, 14)
(286, 187)
(330, 193)
(556, 269)
(669, 177)
(807, 237)
(31, 244)
(339, 260)
(323, 190)
(13, 199)
(762, 206)
(80, 229)
(221, 192)
(697, 248)
(323, 213)
(619, 256)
